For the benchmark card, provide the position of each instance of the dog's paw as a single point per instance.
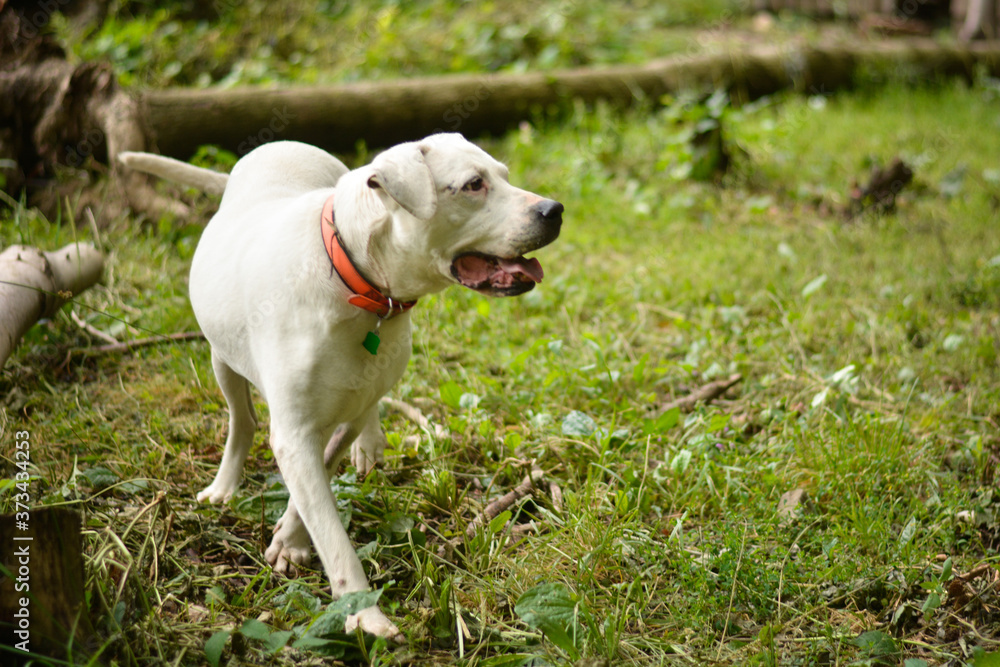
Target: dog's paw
(289, 547)
(366, 455)
(216, 494)
(374, 622)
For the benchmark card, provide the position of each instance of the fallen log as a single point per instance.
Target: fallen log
(76, 114)
(387, 112)
(35, 284)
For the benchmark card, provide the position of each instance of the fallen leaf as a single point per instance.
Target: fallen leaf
(789, 505)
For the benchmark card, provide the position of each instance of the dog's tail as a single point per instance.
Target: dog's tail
(206, 180)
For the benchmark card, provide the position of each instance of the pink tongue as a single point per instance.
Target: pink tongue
(473, 269)
(529, 267)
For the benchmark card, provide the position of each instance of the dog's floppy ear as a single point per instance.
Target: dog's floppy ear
(402, 173)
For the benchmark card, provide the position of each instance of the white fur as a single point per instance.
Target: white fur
(275, 315)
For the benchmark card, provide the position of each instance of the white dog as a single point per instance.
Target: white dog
(302, 282)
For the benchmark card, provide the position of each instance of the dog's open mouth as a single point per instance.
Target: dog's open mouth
(497, 276)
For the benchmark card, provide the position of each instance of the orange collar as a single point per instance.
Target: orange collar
(365, 295)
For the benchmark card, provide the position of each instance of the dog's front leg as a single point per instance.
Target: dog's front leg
(299, 453)
(290, 545)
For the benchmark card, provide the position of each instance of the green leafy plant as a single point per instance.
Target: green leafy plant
(559, 615)
(935, 588)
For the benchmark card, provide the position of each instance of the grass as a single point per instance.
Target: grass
(868, 351)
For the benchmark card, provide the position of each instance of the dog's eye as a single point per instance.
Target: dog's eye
(475, 185)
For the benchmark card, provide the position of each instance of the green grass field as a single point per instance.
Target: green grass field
(868, 351)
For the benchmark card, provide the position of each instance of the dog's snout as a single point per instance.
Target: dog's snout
(549, 210)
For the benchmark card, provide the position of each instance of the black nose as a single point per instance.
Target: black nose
(549, 210)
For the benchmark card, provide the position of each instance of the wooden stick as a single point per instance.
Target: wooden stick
(975, 573)
(92, 330)
(557, 497)
(522, 529)
(704, 394)
(144, 342)
(505, 502)
(416, 416)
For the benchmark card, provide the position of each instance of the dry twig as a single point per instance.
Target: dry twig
(704, 394)
(506, 501)
(557, 497)
(92, 330)
(975, 573)
(145, 342)
(416, 416)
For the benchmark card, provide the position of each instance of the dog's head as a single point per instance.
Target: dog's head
(455, 205)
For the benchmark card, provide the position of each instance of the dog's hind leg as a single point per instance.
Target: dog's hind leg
(367, 450)
(242, 423)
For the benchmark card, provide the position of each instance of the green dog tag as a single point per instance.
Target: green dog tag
(371, 342)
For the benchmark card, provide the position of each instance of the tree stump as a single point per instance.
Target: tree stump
(53, 111)
(879, 195)
(41, 585)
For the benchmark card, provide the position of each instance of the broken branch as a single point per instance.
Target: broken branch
(416, 416)
(145, 342)
(92, 330)
(704, 394)
(505, 502)
(35, 284)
